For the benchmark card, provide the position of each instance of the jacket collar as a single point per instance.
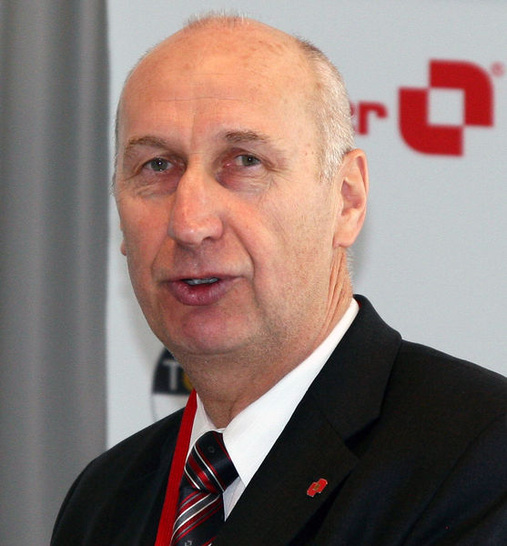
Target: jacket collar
(344, 400)
(350, 389)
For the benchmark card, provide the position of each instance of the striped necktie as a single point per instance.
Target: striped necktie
(208, 472)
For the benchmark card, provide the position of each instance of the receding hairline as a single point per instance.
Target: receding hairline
(269, 36)
(228, 20)
(220, 20)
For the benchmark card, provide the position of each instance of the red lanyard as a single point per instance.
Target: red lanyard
(165, 526)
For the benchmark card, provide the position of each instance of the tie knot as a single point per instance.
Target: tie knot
(209, 467)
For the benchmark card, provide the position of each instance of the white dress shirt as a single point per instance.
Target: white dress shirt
(252, 433)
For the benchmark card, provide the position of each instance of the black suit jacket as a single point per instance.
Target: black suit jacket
(412, 443)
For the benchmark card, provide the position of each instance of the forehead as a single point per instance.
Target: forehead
(210, 67)
(251, 45)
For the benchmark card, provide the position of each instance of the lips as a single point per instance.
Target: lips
(200, 291)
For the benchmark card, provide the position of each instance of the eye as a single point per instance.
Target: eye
(158, 175)
(158, 164)
(243, 171)
(246, 160)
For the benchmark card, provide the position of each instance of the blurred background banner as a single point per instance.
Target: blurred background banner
(428, 85)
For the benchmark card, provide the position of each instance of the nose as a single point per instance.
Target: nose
(195, 210)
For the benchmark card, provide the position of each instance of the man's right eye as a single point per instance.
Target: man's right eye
(158, 164)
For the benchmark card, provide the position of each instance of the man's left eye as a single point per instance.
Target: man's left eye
(245, 160)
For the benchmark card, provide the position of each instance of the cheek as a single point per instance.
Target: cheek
(278, 247)
(299, 224)
(143, 234)
(303, 235)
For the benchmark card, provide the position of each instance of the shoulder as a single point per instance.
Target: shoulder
(140, 454)
(437, 408)
(125, 479)
(422, 379)
(438, 446)
(447, 384)
(452, 418)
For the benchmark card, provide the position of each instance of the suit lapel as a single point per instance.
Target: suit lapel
(317, 442)
(275, 504)
(351, 387)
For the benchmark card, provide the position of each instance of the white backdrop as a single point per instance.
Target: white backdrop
(434, 249)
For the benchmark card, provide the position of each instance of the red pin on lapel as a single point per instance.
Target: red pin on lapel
(316, 487)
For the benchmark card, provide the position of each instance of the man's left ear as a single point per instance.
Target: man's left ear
(352, 181)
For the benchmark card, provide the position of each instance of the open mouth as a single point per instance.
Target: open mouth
(200, 291)
(196, 282)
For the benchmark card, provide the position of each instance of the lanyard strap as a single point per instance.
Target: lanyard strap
(165, 526)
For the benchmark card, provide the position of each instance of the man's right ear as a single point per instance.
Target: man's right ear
(123, 246)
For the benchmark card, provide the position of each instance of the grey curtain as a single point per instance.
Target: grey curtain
(53, 239)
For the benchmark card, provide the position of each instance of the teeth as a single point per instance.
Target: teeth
(195, 282)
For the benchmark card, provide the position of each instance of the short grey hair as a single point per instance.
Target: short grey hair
(332, 110)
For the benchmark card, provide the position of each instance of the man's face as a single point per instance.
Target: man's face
(227, 230)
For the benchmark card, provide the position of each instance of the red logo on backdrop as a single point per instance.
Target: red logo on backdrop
(414, 108)
(477, 89)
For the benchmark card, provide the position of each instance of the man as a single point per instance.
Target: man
(239, 192)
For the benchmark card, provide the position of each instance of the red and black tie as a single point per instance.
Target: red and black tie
(208, 472)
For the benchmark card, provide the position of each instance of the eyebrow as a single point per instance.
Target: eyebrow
(237, 137)
(149, 141)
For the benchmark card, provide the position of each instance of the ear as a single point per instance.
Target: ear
(352, 183)
(123, 246)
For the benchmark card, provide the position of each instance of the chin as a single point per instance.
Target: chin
(208, 342)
